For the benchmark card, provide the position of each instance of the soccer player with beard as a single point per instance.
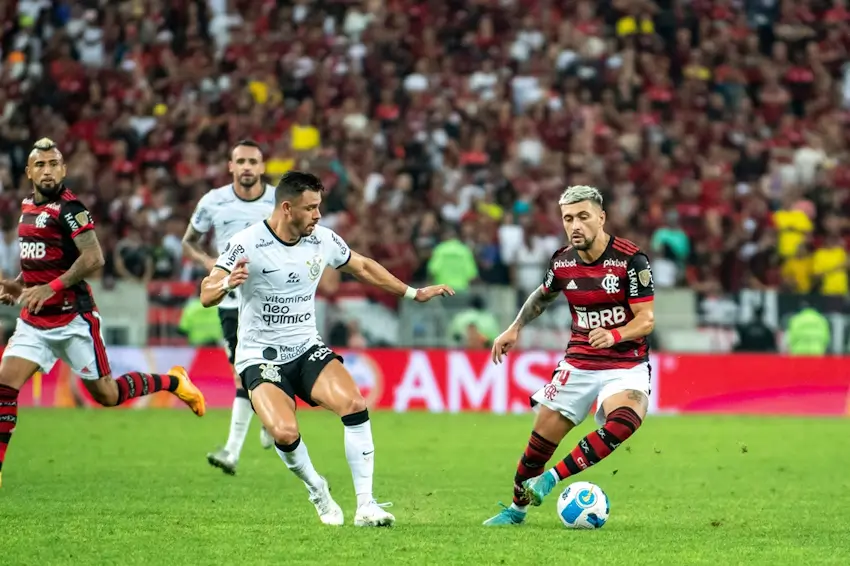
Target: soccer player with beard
(608, 283)
(280, 355)
(59, 319)
(226, 211)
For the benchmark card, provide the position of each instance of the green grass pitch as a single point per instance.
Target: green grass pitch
(133, 487)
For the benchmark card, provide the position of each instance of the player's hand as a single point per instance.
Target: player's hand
(600, 338)
(239, 274)
(10, 290)
(504, 343)
(425, 294)
(33, 298)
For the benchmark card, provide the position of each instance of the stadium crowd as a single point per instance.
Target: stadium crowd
(444, 130)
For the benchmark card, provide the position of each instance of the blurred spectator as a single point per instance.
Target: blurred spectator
(755, 335)
(200, 325)
(830, 263)
(671, 249)
(475, 326)
(808, 333)
(452, 263)
(728, 116)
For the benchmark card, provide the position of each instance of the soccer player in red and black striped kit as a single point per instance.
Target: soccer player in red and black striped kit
(59, 319)
(608, 283)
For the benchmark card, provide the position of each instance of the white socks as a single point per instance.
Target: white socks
(360, 453)
(297, 459)
(240, 419)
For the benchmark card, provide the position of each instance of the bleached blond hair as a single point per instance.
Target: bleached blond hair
(580, 193)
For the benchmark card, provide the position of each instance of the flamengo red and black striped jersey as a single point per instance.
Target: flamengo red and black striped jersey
(46, 232)
(600, 295)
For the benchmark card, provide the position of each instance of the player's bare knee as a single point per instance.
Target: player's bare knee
(356, 404)
(284, 434)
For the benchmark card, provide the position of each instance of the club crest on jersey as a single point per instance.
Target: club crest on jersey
(611, 283)
(41, 220)
(270, 372)
(315, 266)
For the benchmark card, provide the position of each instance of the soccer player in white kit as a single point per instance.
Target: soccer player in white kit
(227, 210)
(278, 263)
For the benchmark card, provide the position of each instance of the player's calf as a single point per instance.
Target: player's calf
(620, 425)
(112, 392)
(14, 373)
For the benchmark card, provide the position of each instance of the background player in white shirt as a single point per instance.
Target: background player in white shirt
(227, 210)
(280, 354)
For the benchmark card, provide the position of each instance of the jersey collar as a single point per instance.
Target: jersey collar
(288, 244)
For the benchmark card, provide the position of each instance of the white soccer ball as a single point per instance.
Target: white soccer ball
(583, 505)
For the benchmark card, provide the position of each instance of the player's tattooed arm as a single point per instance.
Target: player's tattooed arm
(192, 248)
(536, 303)
(90, 260)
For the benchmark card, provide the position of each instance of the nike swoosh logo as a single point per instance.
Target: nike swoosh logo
(367, 453)
(270, 270)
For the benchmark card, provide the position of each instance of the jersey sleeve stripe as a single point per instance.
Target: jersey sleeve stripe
(222, 268)
(81, 229)
(641, 299)
(343, 264)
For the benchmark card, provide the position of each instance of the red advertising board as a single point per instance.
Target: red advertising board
(457, 380)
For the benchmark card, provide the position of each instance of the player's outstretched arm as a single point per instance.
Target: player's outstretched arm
(537, 302)
(192, 248)
(220, 282)
(370, 271)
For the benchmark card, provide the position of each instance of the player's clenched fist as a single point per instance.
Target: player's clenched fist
(504, 343)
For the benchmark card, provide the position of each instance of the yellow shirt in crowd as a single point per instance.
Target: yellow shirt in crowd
(831, 265)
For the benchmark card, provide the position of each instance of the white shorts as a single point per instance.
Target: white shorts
(573, 391)
(79, 344)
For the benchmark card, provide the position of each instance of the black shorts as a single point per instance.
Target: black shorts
(229, 326)
(293, 378)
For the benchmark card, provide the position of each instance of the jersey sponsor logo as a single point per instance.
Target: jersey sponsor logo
(235, 254)
(33, 250)
(633, 283)
(276, 310)
(601, 318)
(611, 283)
(270, 372)
(571, 286)
(72, 224)
(313, 240)
(200, 216)
(614, 263)
(315, 266)
(267, 271)
(41, 220)
(338, 241)
(281, 314)
(283, 300)
(550, 277)
(320, 354)
(263, 243)
(54, 206)
(564, 263)
(293, 278)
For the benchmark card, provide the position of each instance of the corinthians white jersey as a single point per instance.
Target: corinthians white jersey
(222, 211)
(277, 308)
